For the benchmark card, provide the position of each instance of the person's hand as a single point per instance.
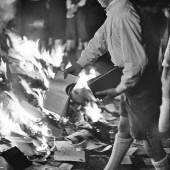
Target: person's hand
(109, 95)
(74, 69)
(82, 96)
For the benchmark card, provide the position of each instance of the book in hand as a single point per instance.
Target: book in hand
(105, 81)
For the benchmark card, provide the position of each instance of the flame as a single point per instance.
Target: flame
(15, 119)
(29, 50)
(26, 59)
(93, 111)
(84, 77)
(26, 50)
(7, 125)
(55, 57)
(3, 67)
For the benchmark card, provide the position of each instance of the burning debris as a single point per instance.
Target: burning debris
(32, 127)
(37, 131)
(26, 123)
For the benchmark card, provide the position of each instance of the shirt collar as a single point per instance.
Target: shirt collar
(115, 6)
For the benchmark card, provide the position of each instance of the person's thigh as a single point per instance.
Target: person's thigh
(143, 113)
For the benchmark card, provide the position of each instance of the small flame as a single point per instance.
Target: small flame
(55, 57)
(94, 112)
(84, 77)
(3, 67)
(26, 86)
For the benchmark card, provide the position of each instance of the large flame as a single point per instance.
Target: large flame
(25, 58)
(27, 50)
(14, 119)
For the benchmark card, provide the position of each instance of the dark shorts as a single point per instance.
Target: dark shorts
(142, 105)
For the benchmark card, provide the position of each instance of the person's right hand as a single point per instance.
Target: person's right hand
(74, 69)
(82, 95)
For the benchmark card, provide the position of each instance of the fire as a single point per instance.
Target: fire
(84, 77)
(15, 119)
(25, 59)
(93, 111)
(3, 68)
(19, 115)
(91, 108)
(26, 50)
(7, 125)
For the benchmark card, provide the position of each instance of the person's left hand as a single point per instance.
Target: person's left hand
(109, 95)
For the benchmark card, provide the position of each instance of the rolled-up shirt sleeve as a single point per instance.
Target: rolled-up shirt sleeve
(95, 48)
(133, 52)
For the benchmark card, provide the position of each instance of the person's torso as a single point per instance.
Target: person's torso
(151, 34)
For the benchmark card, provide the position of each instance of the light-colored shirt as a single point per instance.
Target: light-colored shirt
(120, 35)
(166, 61)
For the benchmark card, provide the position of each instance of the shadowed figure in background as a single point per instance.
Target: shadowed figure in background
(84, 17)
(127, 36)
(76, 33)
(46, 21)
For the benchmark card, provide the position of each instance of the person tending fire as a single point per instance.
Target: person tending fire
(122, 35)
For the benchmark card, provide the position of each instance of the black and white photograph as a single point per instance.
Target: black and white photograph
(84, 84)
